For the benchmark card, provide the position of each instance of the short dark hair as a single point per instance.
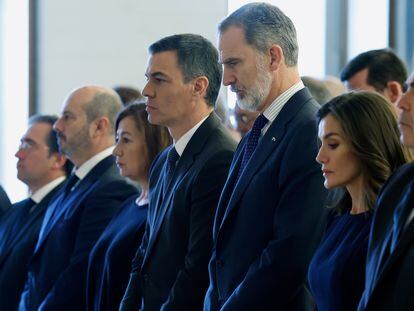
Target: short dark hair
(369, 123)
(51, 140)
(383, 66)
(196, 57)
(156, 137)
(128, 94)
(265, 24)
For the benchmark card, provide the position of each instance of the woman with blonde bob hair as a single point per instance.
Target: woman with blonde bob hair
(360, 149)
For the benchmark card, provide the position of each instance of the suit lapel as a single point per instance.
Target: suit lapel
(193, 148)
(61, 205)
(37, 213)
(404, 243)
(267, 144)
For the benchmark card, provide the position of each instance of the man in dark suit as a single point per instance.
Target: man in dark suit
(5, 203)
(390, 258)
(380, 71)
(43, 169)
(270, 216)
(170, 267)
(77, 216)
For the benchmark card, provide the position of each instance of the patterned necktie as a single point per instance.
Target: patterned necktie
(172, 159)
(252, 142)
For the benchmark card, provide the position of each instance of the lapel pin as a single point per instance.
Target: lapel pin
(273, 138)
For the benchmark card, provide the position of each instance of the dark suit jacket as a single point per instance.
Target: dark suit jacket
(5, 203)
(389, 277)
(170, 268)
(269, 224)
(57, 270)
(19, 231)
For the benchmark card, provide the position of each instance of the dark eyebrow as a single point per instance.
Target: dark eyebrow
(158, 74)
(329, 135)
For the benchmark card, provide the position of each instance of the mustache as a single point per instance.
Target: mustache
(234, 88)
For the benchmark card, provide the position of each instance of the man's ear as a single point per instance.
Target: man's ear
(59, 160)
(276, 56)
(101, 126)
(393, 91)
(200, 85)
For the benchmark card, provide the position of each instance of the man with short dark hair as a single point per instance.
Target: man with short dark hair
(380, 70)
(270, 217)
(170, 268)
(80, 212)
(390, 259)
(43, 169)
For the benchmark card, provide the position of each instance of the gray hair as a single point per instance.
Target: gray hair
(103, 104)
(264, 25)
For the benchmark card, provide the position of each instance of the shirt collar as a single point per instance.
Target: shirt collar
(38, 196)
(184, 140)
(276, 106)
(86, 167)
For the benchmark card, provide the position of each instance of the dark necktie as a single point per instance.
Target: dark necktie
(28, 205)
(252, 142)
(172, 159)
(70, 183)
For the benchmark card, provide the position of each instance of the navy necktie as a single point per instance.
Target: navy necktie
(70, 183)
(172, 159)
(252, 142)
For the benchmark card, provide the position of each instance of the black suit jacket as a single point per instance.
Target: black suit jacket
(270, 222)
(57, 270)
(5, 203)
(19, 231)
(170, 268)
(389, 276)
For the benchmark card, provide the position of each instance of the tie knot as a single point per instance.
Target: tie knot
(259, 123)
(173, 156)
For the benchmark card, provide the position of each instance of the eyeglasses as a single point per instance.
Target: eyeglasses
(29, 145)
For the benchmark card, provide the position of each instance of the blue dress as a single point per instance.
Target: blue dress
(337, 270)
(110, 260)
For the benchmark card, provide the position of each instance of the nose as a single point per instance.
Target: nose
(19, 154)
(147, 91)
(402, 102)
(58, 125)
(228, 77)
(117, 150)
(320, 157)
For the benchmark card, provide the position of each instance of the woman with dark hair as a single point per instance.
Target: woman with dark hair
(359, 150)
(137, 144)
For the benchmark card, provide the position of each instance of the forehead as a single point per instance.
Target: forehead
(128, 124)
(359, 81)
(163, 63)
(329, 124)
(232, 43)
(37, 132)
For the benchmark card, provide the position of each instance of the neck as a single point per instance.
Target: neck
(282, 81)
(184, 125)
(357, 196)
(51, 177)
(81, 158)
